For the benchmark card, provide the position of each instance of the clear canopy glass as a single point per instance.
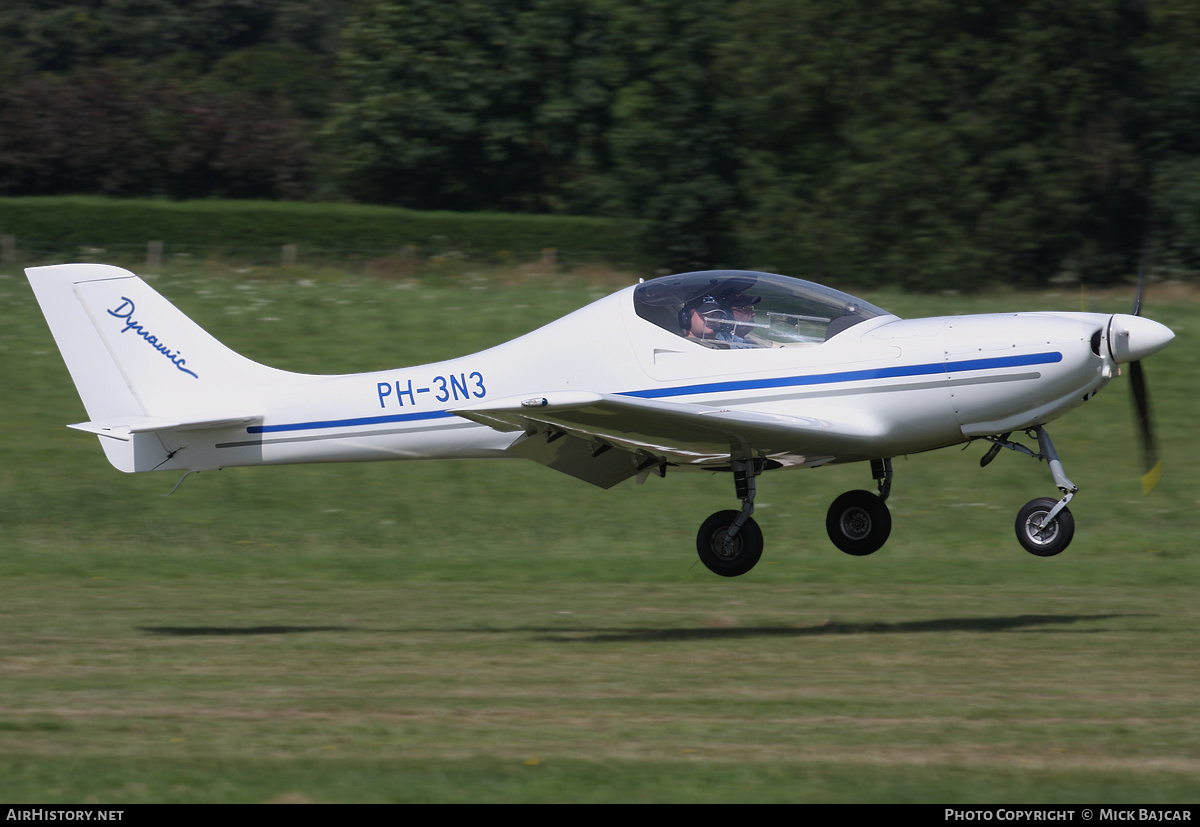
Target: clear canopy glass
(744, 309)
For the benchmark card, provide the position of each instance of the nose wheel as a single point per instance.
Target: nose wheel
(1043, 532)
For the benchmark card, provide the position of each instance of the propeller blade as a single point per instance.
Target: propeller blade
(1143, 266)
(1141, 289)
(1141, 400)
(1149, 341)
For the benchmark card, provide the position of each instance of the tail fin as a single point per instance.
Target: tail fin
(140, 365)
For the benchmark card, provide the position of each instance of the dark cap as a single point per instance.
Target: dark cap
(740, 299)
(705, 305)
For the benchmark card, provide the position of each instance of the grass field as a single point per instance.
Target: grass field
(493, 631)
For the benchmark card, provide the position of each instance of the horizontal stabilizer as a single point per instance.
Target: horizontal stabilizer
(126, 428)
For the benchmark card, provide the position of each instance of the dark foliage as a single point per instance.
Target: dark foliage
(930, 143)
(100, 133)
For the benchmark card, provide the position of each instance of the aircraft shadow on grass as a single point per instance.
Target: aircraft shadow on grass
(220, 631)
(1030, 623)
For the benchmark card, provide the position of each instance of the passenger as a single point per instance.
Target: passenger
(705, 320)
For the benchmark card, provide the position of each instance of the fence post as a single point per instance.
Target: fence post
(154, 255)
(287, 256)
(8, 248)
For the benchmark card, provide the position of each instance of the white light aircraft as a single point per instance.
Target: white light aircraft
(727, 371)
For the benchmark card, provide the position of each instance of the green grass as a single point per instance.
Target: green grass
(494, 631)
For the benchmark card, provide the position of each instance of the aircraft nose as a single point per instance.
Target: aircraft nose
(1131, 338)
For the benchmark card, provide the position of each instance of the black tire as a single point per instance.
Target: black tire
(745, 550)
(858, 523)
(1051, 539)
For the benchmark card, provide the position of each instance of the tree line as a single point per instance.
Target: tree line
(928, 143)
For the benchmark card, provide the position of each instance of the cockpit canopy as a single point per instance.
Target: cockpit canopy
(744, 309)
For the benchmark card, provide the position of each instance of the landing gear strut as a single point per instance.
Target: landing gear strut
(730, 542)
(1044, 526)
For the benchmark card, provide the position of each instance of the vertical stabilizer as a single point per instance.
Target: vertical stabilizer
(140, 365)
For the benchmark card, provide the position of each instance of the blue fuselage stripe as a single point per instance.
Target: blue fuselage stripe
(852, 376)
(346, 423)
(718, 387)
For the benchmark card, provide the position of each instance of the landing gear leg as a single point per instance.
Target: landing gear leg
(730, 542)
(881, 472)
(1045, 527)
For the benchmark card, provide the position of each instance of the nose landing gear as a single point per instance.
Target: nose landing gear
(1044, 526)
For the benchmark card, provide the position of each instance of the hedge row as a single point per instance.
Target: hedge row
(69, 222)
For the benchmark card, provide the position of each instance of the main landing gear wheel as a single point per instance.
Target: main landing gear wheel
(858, 523)
(743, 552)
(1044, 540)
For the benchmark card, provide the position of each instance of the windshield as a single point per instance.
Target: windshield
(743, 309)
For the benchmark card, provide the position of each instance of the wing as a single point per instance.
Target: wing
(606, 438)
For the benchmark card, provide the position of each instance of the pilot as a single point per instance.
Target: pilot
(706, 320)
(742, 310)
